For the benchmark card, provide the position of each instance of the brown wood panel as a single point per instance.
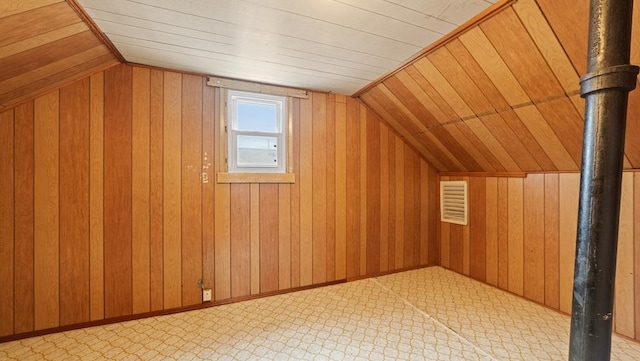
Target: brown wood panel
(295, 198)
(478, 228)
(172, 191)
(36, 21)
(74, 203)
(223, 241)
(341, 190)
(254, 235)
(392, 200)
(409, 97)
(12, 7)
(24, 217)
(636, 253)
(41, 39)
(191, 189)
(306, 191)
(208, 189)
(534, 241)
(46, 205)
(562, 116)
(445, 246)
(7, 246)
(363, 189)
(503, 232)
(434, 193)
(284, 236)
(445, 156)
(353, 188)
(456, 262)
(529, 142)
(480, 146)
(551, 240)
(477, 126)
(624, 320)
(400, 199)
(521, 54)
(491, 240)
(156, 190)
(510, 142)
(458, 151)
(117, 191)
(240, 240)
(515, 235)
(141, 111)
(384, 197)
(373, 194)
(423, 212)
(319, 188)
(464, 142)
(410, 224)
(568, 186)
(96, 199)
(331, 188)
(269, 217)
(417, 193)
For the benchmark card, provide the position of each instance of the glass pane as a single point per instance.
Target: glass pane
(255, 151)
(257, 117)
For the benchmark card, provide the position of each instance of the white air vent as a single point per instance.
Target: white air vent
(453, 202)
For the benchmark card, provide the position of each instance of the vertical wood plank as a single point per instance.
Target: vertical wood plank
(269, 238)
(466, 243)
(353, 188)
(295, 197)
(515, 235)
(409, 199)
(384, 197)
(74, 203)
(208, 189)
(7, 222)
(141, 108)
(306, 191)
(569, 184)
(24, 213)
(284, 236)
(223, 241)
(503, 229)
(400, 199)
(424, 212)
(551, 241)
(455, 247)
(156, 190)
(636, 256)
(117, 191)
(331, 189)
(191, 194)
(319, 187)
(46, 205)
(392, 200)
(624, 320)
(255, 238)
(534, 237)
(373, 194)
(434, 200)
(341, 189)
(363, 189)
(477, 228)
(491, 216)
(240, 240)
(172, 190)
(416, 209)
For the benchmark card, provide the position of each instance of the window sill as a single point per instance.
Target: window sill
(224, 177)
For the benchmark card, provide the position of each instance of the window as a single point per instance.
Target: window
(257, 130)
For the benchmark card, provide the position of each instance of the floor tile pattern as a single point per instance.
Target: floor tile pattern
(427, 314)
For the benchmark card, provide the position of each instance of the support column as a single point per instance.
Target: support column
(606, 86)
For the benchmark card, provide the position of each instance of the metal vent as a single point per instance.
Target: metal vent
(453, 202)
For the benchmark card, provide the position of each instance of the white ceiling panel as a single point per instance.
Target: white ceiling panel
(336, 46)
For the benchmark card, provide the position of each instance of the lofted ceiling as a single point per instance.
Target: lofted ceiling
(336, 46)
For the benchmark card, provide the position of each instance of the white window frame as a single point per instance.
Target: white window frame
(281, 102)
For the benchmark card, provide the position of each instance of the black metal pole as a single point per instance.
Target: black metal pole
(606, 85)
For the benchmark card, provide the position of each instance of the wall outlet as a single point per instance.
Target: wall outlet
(206, 295)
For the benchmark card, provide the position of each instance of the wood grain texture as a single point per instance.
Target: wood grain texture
(306, 192)
(624, 320)
(47, 216)
(568, 186)
(392, 201)
(284, 236)
(534, 240)
(269, 249)
(399, 206)
(341, 190)
(156, 190)
(636, 253)
(255, 244)
(319, 187)
(503, 233)
(330, 257)
(410, 223)
(74, 203)
(373, 195)
(7, 222)
(551, 240)
(424, 212)
(363, 189)
(208, 189)
(295, 197)
(384, 197)
(491, 238)
(567, 123)
(240, 240)
(24, 216)
(352, 188)
(223, 242)
(477, 228)
(515, 235)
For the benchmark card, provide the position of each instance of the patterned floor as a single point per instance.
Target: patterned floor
(427, 314)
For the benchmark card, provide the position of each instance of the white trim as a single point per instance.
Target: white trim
(454, 202)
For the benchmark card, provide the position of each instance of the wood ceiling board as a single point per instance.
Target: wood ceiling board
(421, 96)
(510, 141)
(520, 53)
(457, 149)
(42, 39)
(473, 69)
(494, 66)
(548, 44)
(37, 21)
(453, 164)
(46, 54)
(494, 146)
(409, 98)
(480, 146)
(456, 12)
(448, 113)
(456, 75)
(632, 145)
(386, 99)
(528, 140)
(443, 87)
(11, 7)
(477, 155)
(566, 123)
(546, 137)
(571, 30)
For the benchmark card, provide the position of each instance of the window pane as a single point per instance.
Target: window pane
(257, 117)
(255, 151)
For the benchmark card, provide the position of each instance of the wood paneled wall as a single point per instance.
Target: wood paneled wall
(102, 213)
(44, 44)
(521, 238)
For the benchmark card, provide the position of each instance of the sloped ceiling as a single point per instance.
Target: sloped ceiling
(44, 44)
(503, 95)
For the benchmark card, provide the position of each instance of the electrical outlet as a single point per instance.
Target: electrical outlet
(206, 295)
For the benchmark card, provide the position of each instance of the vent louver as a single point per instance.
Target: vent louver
(453, 202)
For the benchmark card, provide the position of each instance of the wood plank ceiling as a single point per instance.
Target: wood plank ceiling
(44, 44)
(336, 46)
(497, 100)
